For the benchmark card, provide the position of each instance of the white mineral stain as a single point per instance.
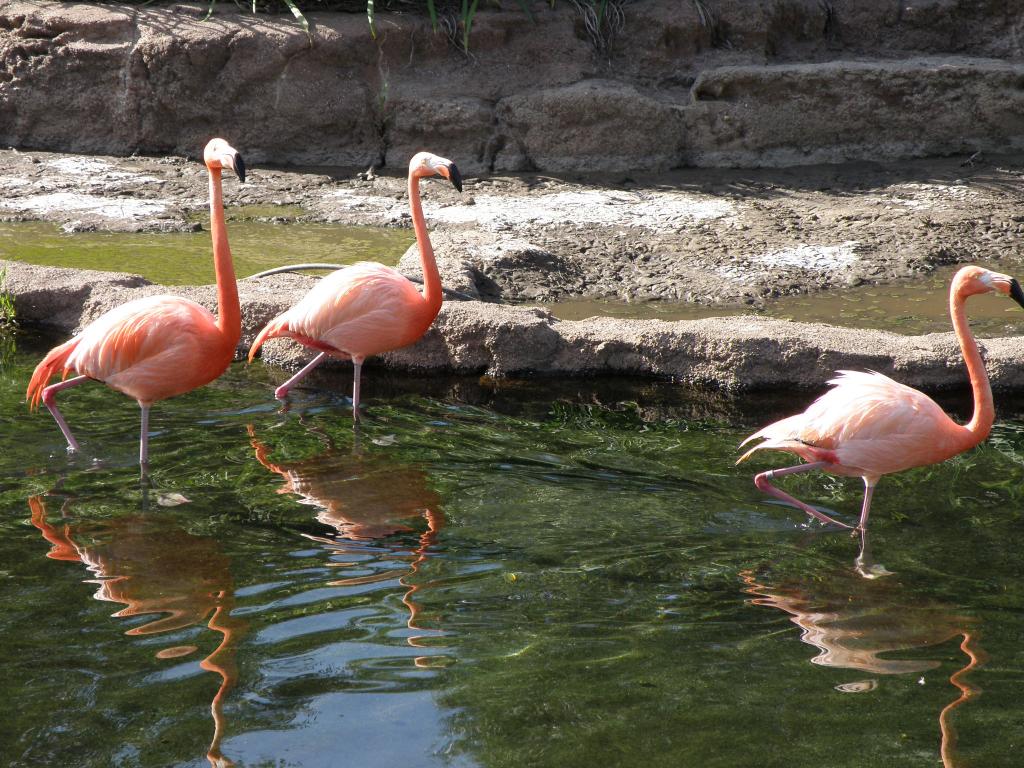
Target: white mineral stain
(661, 211)
(98, 170)
(67, 202)
(922, 197)
(813, 258)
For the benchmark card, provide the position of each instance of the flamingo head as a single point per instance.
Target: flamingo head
(426, 164)
(219, 154)
(973, 280)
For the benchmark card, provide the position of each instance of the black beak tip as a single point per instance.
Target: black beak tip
(240, 168)
(1016, 293)
(455, 177)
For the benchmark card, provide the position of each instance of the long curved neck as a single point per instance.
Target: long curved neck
(431, 277)
(229, 314)
(984, 411)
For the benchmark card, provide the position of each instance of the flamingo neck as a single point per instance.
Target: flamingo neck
(431, 277)
(984, 411)
(229, 313)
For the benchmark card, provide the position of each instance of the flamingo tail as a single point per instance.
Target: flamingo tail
(271, 330)
(55, 362)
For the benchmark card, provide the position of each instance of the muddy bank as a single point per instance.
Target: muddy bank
(747, 82)
(706, 236)
(479, 338)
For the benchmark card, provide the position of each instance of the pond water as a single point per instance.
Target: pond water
(914, 307)
(183, 258)
(260, 240)
(513, 574)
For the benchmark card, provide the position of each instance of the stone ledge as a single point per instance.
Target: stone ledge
(498, 340)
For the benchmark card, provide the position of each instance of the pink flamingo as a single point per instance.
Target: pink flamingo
(868, 425)
(367, 308)
(160, 346)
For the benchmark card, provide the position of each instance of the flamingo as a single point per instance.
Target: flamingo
(159, 346)
(367, 308)
(868, 425)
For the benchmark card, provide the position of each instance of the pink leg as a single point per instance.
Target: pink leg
(282, 392)
(869, 490)
(357, 370)
(50, 399)
(144, 439)
(762, 481)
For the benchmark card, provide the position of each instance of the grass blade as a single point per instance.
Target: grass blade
(8, 316)
(467, 22)
(300, 17)
(525, 6)
(369, 18)
(432, 10)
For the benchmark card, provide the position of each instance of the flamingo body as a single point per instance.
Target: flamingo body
(868, 425)
(133, 347)
(359, 311)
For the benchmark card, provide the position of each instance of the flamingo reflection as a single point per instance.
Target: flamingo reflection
(365, 498)
(854, 621)
(152, 568)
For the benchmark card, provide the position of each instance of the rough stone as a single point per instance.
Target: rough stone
(594, 124)
(497, 340)
(750, 83)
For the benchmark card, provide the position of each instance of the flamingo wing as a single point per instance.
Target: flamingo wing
(868, 424)
(150, 348)
(361, 310)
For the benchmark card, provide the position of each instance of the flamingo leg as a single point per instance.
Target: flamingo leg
(762, 481)
(357, 370)
(144, 438)
(50, 399)
(869, 490)
(282, 392)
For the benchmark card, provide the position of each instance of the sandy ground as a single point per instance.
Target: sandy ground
(702, 235)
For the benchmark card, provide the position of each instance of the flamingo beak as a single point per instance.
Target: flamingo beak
(236, 163)
(451, 172)
(1015, 292)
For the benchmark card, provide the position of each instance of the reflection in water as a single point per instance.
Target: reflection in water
(152, 568)
(852, 621)
(365, 498)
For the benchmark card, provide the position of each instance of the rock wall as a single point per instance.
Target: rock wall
(750, 82)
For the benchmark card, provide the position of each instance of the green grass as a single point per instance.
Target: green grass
(461, 12)
(7, 315)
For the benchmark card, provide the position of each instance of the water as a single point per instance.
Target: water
(185, 258)
(516, 574)
(259, 241)
(914, 307)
